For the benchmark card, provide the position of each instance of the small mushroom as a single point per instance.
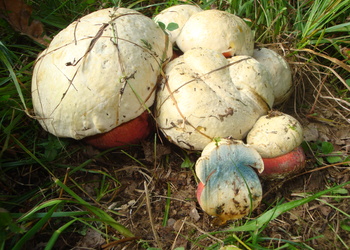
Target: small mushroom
(277, 137)
(205, 95)
(229, 188)
(281, 76)
(178, 14)
(217, 30)
(98, 73)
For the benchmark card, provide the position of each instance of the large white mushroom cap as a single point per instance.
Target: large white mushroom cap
(275, 134)
(217, 30)
(199, 100)
(98, 73)
(281, 76)
(178, 14)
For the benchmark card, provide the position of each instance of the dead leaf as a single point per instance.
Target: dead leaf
(152, 153)
(18, 15)
(194, 214)
(91, 240)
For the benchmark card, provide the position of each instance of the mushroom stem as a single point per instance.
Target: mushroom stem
(285, 165)
(128, 133)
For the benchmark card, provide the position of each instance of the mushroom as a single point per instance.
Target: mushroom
(98, 73)
(178, 14)
(277, 138)
(204, 95)
(229, 188)
(217, 30)
(280, 73)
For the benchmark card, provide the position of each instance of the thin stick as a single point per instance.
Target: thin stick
(148, 204)
(203, 232)
(177, 235)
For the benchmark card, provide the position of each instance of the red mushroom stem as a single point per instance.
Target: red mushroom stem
(127, 133)
(281, 166)
(200, 189)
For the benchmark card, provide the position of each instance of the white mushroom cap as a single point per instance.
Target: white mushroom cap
(250, 75)
(178, 14)
(199, 101)
(280, 73)
(217, 30)
(275, 134)
(98, 73)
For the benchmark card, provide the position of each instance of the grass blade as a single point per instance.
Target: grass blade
(57, 233)
(167, 206)
(99, 213)
(34, 229)
(54, 215)
(30, 214)
(8, 65)
(277, 211)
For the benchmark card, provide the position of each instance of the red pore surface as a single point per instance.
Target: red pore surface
(200, 189)
(284, 165)
(228, 53)
(127, 133)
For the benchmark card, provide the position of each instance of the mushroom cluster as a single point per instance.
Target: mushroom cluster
(98, 80)
(221, 87)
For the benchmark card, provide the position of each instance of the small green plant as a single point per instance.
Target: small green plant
(187, 163)
(325, 153)
(52, 146)
(169, 27)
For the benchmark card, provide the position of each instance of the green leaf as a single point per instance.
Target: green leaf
(172, 26)
(348, 82)
(341, 191)
(161, 25)
(327, 147)
(334, 159)
(4, 98)
(187, 163)
(6, 221)
(345, 224)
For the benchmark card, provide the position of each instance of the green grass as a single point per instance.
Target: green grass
(40, 175)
